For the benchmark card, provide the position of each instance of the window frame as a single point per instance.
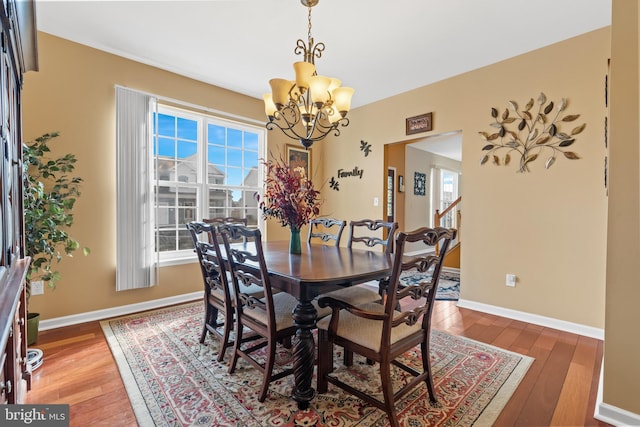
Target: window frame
(201, 184)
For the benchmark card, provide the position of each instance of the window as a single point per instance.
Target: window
(204, 167)
(447, 194)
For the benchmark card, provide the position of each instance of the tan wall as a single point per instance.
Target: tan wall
(548, 226)
(621, 386)
(74, 93)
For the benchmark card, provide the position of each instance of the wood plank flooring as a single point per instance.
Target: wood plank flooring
(559, 389)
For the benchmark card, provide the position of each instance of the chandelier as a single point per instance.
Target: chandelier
(312, 106)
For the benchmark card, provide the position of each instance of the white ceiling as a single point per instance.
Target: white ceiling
(379, 47)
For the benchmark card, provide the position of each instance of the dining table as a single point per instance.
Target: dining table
(317, 270)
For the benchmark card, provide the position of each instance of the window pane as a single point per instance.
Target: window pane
(166, 125)
(250, 159)
(234, 158)
(166, 147)
(165, 170)
(234, 176)
(250, 177)
(216, 154)
(187, 129)
(216, 134)
(251, 142)
(215, 175)
(187, 149)
(234, 138)
(184, 240)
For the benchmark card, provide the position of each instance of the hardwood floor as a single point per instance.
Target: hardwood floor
(558, 390)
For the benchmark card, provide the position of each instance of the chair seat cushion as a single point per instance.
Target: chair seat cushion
(367, 332)
(284, 305)
(354, 295)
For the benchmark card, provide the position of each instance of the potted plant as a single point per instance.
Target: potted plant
(50, 193)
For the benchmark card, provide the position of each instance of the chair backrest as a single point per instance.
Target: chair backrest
(248, 267)
(415, 300)
(326, 229)
(372, 226)
(212, 265)
(226, 220)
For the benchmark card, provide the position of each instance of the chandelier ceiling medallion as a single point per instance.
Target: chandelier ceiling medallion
(312, 106)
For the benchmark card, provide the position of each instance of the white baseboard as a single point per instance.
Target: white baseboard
(615, 416)
(611, 414)
(574, 328)
(123, 310)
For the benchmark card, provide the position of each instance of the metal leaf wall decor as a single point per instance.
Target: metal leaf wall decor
(530, 135)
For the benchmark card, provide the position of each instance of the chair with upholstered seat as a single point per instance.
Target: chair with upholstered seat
(362, 231)
(381, 332)
(327, 230)
(217, 290)
(269, 316)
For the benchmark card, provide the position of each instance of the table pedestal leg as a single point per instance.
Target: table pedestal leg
(304, 318)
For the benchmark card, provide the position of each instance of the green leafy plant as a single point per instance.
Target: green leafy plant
(536, 133)
(50, 192)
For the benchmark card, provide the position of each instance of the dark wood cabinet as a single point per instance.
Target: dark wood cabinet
(18, 54)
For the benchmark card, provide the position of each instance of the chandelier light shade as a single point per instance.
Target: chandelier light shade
(311, 106)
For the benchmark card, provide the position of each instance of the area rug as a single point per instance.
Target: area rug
(448, 285)
(173, 380)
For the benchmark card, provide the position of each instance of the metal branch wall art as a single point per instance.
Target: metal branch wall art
(534, 134)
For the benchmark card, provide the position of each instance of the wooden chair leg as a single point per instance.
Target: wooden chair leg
(268, 368)
(348, 357)
(236, 346)
(325, 360)
(426, 366)
(387, 391)
(210, 317)
(225, 339)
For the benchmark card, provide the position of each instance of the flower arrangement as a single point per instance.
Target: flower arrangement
(289, 195)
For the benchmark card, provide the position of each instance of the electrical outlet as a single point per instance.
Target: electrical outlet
(37, 287)
(511, 280)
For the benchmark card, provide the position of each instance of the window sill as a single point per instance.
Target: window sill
(177, 261)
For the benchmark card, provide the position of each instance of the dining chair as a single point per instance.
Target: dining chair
(326, 230)
(269, 316)
(217, 289)
(362, 293)
(383, 333)
(361, 231)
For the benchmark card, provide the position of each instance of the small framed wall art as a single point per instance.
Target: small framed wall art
(419, 184)
(299, 157)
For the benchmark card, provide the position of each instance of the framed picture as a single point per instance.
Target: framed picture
(417, 124)
(419, 184)
(298, 157)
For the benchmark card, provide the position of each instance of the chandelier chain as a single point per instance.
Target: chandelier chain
(309, 27)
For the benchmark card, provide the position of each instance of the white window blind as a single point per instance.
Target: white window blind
(135, 259)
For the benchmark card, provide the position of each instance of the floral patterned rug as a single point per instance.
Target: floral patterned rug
(173, 380)
(448, 285)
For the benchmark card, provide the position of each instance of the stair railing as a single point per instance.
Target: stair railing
(437, 216)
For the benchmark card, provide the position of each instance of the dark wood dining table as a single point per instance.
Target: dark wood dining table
(317, 270)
